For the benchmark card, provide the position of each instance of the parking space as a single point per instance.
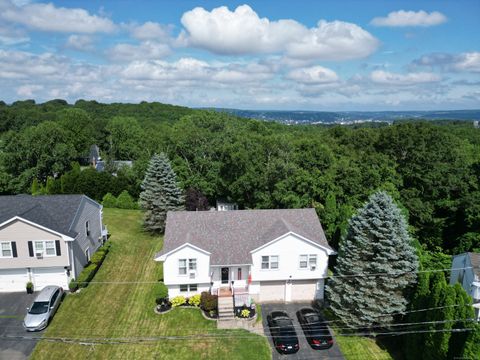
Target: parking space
(305, 352)
(13, 307)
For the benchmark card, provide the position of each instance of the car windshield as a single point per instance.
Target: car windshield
(313, 319)
(39, 307)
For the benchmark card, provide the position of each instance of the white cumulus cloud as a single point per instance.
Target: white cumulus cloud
(151, 31)
(313, 75)
(389, 78)
(469, 61)
(79, 42)
(145, 50)
(48, 17)
(242, 31)
(410, 18)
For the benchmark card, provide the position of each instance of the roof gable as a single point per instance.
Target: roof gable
(55, 212)
(230, 236)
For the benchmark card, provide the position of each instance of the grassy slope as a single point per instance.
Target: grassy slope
(355, 347)
(126, 310)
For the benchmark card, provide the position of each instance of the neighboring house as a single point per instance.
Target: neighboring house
(223, 205)
(466, 271)
(98, 164)
(265, 255)
(47, 239)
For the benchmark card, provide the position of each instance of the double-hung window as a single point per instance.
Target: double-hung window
(307, 261)
(46, 248)
(182, 266)
(6, 249)
(270, 262)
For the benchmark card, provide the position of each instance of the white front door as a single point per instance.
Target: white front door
(288, 291)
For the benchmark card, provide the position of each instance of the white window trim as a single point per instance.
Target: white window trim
(1, 250)
(44, 246)
(183, 267)
(191, 262)
(309, 256)
(269, 263)
(87, 254)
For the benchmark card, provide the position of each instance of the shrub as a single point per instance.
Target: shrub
(161, 290)
(109, 201)
(87, 274)
(125, 201)
(29, 285)
(208, 302)
(178, 300)
(194, 300)
(98, 257)
(73, 286)
(245, 313)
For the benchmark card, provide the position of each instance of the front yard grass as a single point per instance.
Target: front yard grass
(88, 321)
(356, 347)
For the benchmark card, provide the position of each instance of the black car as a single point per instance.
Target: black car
(283, 332)
(315, 328)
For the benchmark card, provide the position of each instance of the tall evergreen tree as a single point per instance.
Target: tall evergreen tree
(160, 193)
(377, 241)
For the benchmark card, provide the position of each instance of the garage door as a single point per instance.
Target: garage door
(272, 291)
(12, 280)
(49, 276)
(304, 290)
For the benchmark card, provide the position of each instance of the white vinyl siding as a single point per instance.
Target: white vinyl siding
(6, 249)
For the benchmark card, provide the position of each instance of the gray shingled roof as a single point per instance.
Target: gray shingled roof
(230, 235)
(475, 260)
(55, 212)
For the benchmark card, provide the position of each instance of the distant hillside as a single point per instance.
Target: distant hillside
(350, 117)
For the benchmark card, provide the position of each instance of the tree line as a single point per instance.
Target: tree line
(432, 170)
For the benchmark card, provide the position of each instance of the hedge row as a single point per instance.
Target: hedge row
(90, 270)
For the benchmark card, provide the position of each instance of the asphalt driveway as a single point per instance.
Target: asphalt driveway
(12, 311)
(305, 352)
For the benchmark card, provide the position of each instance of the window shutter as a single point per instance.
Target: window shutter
(14, 249)
(57, 247)
(30, 249)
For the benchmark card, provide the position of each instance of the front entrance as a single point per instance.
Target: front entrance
(225, 274)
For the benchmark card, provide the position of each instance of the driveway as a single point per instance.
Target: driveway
(305, 352)
(13, 307)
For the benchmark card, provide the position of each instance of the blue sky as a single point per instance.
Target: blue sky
(312, 55)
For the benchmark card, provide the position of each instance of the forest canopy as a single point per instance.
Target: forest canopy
(432, 170)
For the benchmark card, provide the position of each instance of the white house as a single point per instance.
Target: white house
(47, 240)
(265, 255)
(466, 271)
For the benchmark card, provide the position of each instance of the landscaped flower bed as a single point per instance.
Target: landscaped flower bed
(245, 312)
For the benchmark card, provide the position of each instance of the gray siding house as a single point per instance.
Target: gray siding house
(466, 271)
(47, 239)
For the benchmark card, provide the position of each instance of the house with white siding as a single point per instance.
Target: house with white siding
(47, 240)
(264, 255)
(466, 271)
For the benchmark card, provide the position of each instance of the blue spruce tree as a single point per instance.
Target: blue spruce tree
(160, 194)
(377, 242)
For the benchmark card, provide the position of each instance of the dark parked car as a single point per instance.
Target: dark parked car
(43, 308)
(283, 332)
(315, 328)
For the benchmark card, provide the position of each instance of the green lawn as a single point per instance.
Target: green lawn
(356, 347)
(107, 311)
